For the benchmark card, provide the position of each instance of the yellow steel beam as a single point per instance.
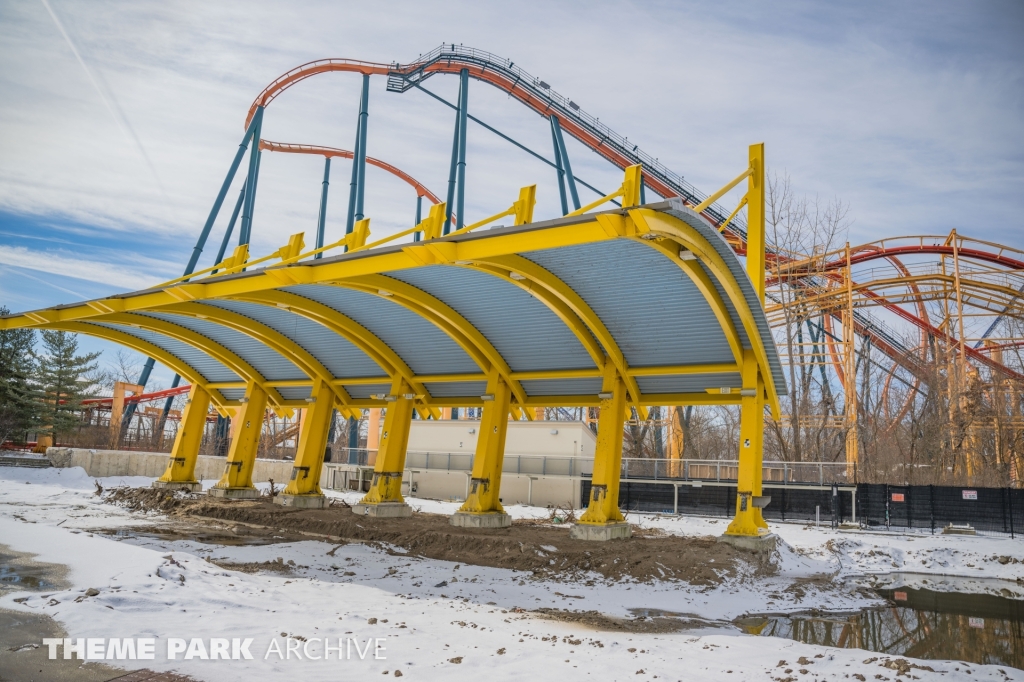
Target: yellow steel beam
(309, 455)
(205, 344)
(702, 281)
(355, 333)
(570, 307)
(681, 232)
(269, 337)
(146, 348)
(468, 337)
(181, 465)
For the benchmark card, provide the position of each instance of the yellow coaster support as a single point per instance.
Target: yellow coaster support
(485, 485)
(604, 491)
(237, 478)
(181, 466)
(309, 458)
(394, 439)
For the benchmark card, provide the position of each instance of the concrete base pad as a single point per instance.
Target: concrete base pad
(754, 543)
(610, 531)
(468, 520)
(234, 493)
(301, 501)
(191, 486)
(958, 530)
(386, 510)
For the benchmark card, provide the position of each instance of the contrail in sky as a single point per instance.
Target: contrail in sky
(108, 97)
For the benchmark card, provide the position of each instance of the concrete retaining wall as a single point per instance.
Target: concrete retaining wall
(129, 463)
(542, 491)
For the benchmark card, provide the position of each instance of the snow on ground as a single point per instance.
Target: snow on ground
(154, 586)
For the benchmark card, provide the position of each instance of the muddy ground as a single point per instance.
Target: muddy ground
(543, 549)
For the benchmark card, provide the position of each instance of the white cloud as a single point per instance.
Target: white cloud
(116, 274)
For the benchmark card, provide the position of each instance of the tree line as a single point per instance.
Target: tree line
(43, 380)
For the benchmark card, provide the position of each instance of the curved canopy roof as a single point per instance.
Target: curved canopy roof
(653, 290)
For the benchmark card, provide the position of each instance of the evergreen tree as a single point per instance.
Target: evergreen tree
(63, 378)
(19, 400)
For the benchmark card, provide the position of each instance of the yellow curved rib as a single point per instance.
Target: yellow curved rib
(469, 338)
(683, 233)
(190, 374)
(269, 337)
(358, 335)
(226, 357)
(577, 315)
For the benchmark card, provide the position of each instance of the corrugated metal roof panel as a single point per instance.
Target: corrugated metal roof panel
(338, 355)
(652, 309)
(527, 334)
(539, 387)
(294, 392)
(421, 344)
(232, 393)
(688, 215)
(365, 391)
(209, 368)
(454, 389)
(692, 383)
(269, 363)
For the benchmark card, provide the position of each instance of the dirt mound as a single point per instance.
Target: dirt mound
(543, 550)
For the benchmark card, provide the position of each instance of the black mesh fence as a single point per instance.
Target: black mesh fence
(988, 510)
(991, 510)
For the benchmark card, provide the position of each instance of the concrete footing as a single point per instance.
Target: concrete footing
(191, 486)
(610, 531)
(491, 520)
(752, 543)
(234, 493)
(301, 501)
(958, 530)
(386, 510)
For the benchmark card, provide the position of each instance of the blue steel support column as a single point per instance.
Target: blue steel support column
(450, 203)
(417, 236)
(353, 440)
(643, 192)
(355, 204)
(252, 201)
(323, 208)
(159, 430)
(201, 242)
(250, 182)
(565, 162)
(147, 369)
(231, 226)
(460, 200)
(558, 167)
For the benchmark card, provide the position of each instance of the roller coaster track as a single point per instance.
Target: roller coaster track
(538, 96)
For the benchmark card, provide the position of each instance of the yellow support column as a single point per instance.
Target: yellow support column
(748, 520)
(181, 466)
(603, 520)
(385, 496)
(236, 483)
(303, 490)
(482, 508)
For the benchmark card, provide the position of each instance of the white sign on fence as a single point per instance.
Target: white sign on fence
(970, 494)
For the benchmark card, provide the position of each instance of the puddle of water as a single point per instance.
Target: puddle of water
(225, 536)
(922, 623)
(18, 574)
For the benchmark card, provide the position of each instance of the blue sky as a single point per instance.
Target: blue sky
(911, 112)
